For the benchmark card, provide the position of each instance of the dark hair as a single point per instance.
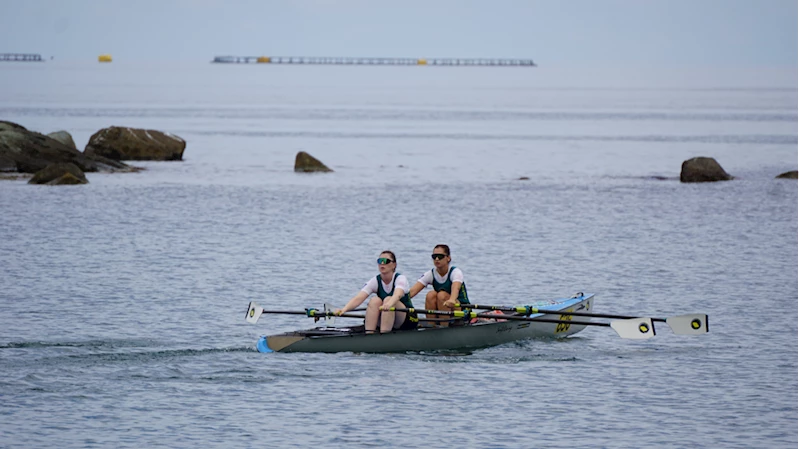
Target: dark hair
(444, 247)
(393, 257)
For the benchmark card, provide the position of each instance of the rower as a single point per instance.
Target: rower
(449, 290)
(391, 288)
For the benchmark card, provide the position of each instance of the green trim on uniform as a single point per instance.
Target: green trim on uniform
(446, 286)
(405, 300)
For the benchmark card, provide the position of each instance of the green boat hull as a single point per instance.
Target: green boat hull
(473, 336)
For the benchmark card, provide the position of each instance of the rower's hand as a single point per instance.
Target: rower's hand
(385, 307)
(451, 303)
(338, 312)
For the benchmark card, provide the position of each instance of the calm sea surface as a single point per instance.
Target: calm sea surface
(122, 301)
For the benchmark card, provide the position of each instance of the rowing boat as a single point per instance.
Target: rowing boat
(479, 334)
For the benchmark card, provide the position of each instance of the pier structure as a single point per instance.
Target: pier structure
(21, 57)
(372, 61)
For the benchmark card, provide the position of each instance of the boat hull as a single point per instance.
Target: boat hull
(473, 336)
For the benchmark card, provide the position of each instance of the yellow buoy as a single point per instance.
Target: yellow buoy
(422, 62)
(264, 59)
(104, 58)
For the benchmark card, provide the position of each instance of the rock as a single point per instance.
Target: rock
(306, 163)
(787, 175)
(68, 179)
(703, 169)
(60, 173)
(63, 137)
(9, 125)
(7, 165)
(126, 144)
(30, 152)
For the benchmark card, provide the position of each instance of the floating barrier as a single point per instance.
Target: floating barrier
(21, 57)
(372, 61)
(104, 58)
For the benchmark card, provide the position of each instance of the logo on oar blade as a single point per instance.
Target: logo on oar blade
(643, 327)
(696, 324)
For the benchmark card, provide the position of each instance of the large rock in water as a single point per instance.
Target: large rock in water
(30, 152)
(788, 175)
(4, 125)
(703, 169)
(63, 137)
(305, 163)
(59, 174)
(128, 144)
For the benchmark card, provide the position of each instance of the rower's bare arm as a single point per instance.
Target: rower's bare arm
(415, 289)
(356, 301)
(392, 301)
(453, 295)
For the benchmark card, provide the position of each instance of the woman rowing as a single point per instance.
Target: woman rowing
(391, 288)
(449, 290)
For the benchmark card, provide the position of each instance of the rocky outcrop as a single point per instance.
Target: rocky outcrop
(30, 152)
(7, 165)
(4, 125)
(63, 137)
(59, 174)
(703, 169)
(134, 144)
(788, 175)
(305, 163)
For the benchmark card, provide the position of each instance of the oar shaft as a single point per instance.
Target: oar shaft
(315, 313)
(531, 310)
(464, 315)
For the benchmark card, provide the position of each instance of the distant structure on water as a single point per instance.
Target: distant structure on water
(372, 61)
(21, 57)
(104, 58)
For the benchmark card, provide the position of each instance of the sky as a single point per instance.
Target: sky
(597, 33)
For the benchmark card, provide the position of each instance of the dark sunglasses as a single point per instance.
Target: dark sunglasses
(438, 256)
(384, 261)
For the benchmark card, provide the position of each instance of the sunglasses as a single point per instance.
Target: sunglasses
(384, 261)
(438, 256)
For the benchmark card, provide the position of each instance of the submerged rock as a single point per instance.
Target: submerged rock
(127, 144)
(59, 174)
(703, 169)
(788, 175)
(305, 163)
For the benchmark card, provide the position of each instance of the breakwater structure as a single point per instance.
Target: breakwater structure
(315, 60)
(21, 57)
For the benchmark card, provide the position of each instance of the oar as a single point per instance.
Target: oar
(691, 324)
(254, 312)
(635, 328)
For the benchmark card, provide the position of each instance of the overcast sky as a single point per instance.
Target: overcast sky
(551, 32)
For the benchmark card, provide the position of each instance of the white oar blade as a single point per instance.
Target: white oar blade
(254, 312)
(634, 328)
(693, 324)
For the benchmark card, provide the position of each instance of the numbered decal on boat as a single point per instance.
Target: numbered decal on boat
(563, 327)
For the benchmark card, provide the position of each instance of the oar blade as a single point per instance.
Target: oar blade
(693, 324)
(254, 312)
(634, 328)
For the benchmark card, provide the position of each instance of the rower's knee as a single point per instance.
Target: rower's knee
(374, 304)
(443, 296)
(430, 300)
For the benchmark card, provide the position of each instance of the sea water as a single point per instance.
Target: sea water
(122, 301)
